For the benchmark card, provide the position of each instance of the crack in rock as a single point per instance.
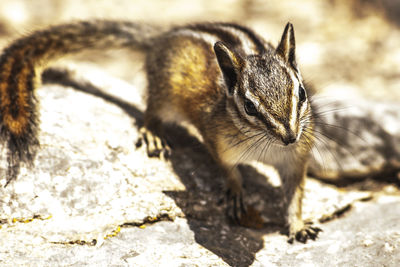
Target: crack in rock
(149, 220)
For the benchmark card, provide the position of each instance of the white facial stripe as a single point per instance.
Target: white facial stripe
(303, 109)
(279, 126)
(252, 98)
(295, 101)
(240, 102)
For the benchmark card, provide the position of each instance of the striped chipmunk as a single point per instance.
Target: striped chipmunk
(245, 97)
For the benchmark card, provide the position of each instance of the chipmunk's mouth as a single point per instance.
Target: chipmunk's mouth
(289, 139)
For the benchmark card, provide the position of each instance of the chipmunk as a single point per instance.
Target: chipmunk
(245, 97)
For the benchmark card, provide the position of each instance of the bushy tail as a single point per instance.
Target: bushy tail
(19, 74)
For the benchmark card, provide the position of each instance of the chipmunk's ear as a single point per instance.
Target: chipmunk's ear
(287, 46)
(230, 64)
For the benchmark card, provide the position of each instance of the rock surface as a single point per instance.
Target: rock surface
(356, 138)
(94, 199)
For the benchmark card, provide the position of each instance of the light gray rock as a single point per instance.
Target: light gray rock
(93, 199)
(367, 236)
(89, 180)
(356, 138)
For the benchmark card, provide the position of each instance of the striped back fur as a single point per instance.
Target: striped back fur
(262, 84)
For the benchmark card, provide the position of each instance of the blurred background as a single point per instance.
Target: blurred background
(343, 46)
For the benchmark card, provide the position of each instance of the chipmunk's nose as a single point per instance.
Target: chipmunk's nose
(289, 138)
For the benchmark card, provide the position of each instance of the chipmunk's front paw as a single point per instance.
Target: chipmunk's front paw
(235, 205)
(303, 231)
(156, 146)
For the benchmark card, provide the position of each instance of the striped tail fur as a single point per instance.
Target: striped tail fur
(19, 75)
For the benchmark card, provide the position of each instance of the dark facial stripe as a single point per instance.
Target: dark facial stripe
(259, 116)
(299, 106)
(238, 111)
(267, 123)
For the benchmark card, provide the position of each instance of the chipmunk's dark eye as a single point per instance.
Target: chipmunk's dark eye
(250, 108)
(302, 94)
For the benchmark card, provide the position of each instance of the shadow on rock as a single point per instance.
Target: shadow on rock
(204, 206)
(357, 144)
(203, 201)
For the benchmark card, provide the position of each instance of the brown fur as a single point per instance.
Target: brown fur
(227, 81)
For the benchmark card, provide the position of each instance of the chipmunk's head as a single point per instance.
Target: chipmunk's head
(265, 92)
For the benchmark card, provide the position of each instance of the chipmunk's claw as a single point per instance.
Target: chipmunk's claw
(308, 231)
(156, 146)
(235, 206)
